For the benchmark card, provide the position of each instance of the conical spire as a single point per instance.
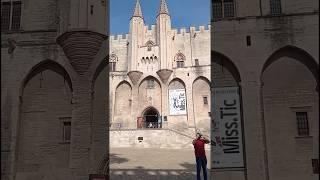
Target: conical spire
(137, 10)
(163, 7)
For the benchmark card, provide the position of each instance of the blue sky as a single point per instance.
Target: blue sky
(184, 13)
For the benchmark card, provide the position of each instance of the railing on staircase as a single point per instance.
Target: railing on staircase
(181, 129)
(177, 128)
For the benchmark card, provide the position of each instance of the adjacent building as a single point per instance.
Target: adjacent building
(159, 75)
(53, 81)
(271, 50)
(250, 81)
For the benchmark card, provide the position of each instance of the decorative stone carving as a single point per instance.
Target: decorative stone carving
(179, 57)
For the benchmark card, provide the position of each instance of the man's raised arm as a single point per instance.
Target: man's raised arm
(206, 140)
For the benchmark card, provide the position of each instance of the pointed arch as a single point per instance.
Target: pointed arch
(124, 82)
(46, 103)
(295, 53)
(223, 71)
(289, 88)
(149, 108)
(149, 93)
(179, 57)
(204, 78)
(47, 65)
(174, 80)
(150, 77)
(201, 96)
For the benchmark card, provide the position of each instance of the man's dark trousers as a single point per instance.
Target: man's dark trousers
(201, 162)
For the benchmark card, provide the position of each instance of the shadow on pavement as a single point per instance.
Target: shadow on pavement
(140, 173)
(151, 174)
(189, 166)
(115, 159)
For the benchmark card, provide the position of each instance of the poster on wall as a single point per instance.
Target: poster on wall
(177, 102)
(226, 129)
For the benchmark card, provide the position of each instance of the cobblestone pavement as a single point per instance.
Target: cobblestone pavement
(153, 164)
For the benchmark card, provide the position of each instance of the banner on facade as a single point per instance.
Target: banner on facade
(226, 129)
(177, 101)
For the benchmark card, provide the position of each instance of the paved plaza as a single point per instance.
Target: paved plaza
(153, 164)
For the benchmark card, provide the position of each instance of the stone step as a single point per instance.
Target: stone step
(159, 138)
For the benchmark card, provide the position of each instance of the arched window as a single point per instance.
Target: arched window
(112, 62)
(180, 58)
(147, 60)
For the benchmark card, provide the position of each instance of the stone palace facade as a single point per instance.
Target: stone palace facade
(160, 76)
(164, 83)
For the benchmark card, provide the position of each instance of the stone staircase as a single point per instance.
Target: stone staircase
(171, 137)
(150, 138)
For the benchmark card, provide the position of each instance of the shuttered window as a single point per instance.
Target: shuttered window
(302, 123)
(10, 15)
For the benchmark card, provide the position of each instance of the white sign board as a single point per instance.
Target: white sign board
(226, 129)
(177, 102)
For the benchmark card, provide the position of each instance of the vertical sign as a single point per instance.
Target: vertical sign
(177, 102)
(226, 131)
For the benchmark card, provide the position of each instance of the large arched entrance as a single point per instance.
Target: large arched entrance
(151, 118)
(290, 98)
(45, 121)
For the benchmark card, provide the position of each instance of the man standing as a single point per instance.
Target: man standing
(200, 154)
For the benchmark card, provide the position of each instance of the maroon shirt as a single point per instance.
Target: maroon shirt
(199, 148)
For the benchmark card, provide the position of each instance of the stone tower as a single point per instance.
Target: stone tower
(163, 34)
(135, 36)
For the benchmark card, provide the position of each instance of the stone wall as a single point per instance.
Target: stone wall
(286, 42)
(151, 139)
(40, 89)
(187, 76)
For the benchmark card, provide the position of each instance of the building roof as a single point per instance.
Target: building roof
(163, 7)
(137, 10)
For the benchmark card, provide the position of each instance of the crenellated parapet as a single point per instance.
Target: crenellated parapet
(150, 33)
(148, 57)
(199, 30)
(119, 37)
(148, 28)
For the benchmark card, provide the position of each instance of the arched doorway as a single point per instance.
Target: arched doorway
(290, 99)
(151, 118)
(45, 121)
